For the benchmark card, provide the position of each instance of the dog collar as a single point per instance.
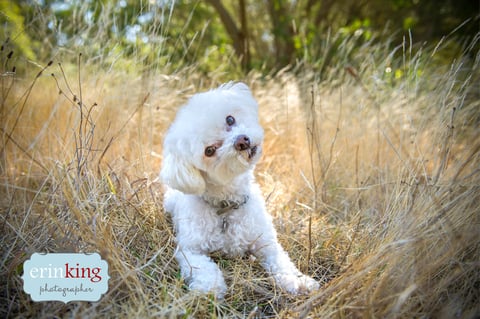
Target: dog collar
(225, 205)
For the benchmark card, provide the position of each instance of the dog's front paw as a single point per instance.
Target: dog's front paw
(207, 285)
(296, 284)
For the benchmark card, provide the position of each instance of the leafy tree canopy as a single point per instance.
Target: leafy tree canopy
(236, 34)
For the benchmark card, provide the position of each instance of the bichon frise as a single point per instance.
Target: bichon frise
(209, 155)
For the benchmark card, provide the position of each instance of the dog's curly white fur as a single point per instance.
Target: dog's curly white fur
(209, 155)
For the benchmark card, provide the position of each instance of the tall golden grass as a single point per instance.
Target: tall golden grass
(372, 178)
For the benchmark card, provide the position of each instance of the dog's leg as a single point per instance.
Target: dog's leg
(276, 261)
(201, 273)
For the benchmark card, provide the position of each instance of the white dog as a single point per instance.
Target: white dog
(209, 155)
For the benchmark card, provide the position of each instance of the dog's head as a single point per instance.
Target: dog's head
(215, 137)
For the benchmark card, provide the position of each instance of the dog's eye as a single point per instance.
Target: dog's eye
(230, 120)
(210, 151)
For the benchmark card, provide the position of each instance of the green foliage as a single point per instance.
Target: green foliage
(170, 35)
(358, 28)
(12, 20)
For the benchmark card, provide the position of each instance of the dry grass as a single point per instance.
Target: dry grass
(374, 187)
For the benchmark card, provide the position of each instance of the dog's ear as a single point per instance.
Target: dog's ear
(180, 174)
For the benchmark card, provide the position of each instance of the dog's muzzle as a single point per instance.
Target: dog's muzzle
(243, 143)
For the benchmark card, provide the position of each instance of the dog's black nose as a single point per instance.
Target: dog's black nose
(242, 142)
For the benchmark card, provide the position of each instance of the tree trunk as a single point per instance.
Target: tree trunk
(238, 36)
(282, 31)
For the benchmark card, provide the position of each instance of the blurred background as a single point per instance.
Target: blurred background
(231, 36)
